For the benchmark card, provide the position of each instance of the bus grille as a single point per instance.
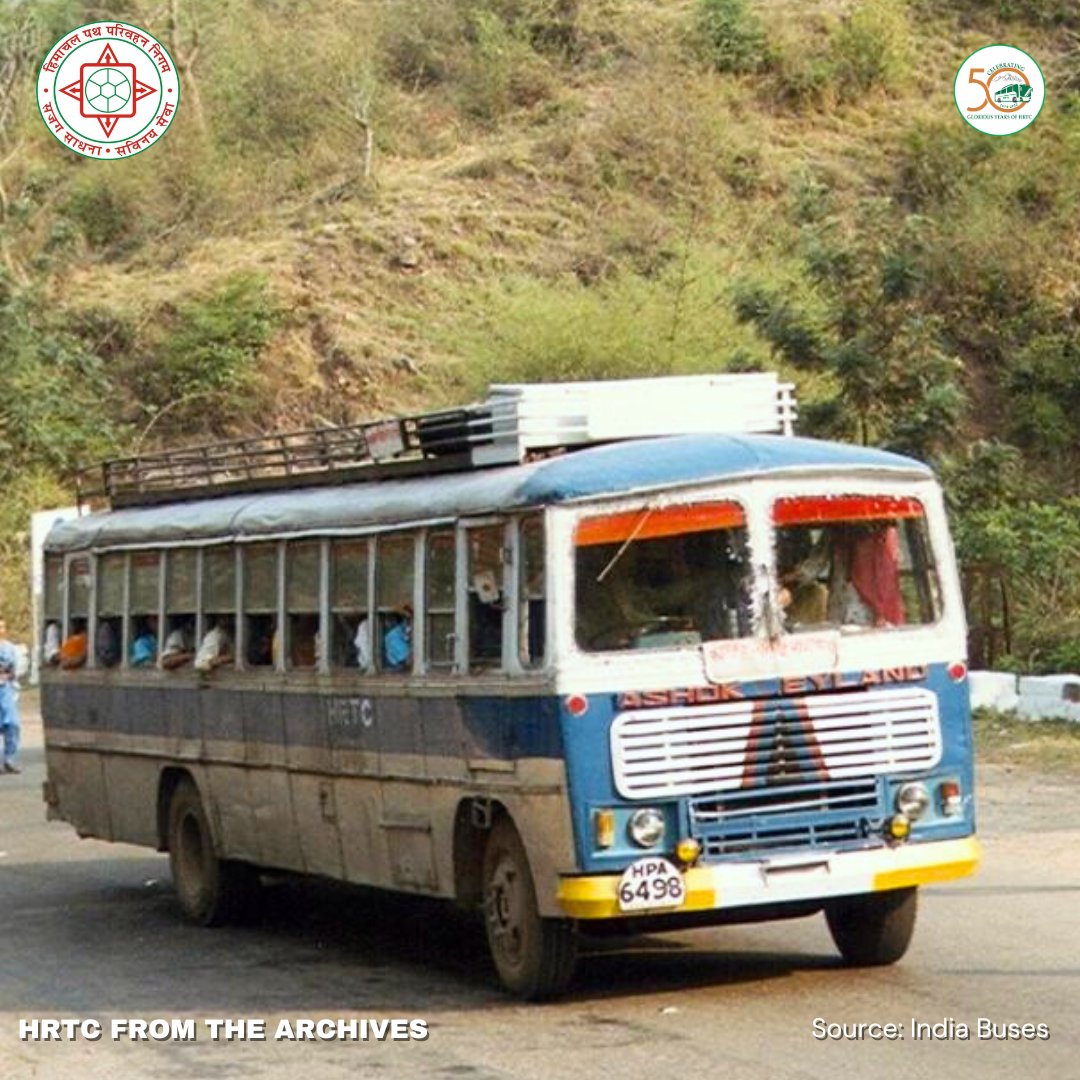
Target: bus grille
(823, 796)
(762, 838)
(773, 743)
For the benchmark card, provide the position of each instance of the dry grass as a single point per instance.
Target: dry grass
(1047, 745)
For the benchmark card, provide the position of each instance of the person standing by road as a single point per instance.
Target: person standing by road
(9, 703)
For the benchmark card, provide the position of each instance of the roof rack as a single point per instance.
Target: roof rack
(516, 422)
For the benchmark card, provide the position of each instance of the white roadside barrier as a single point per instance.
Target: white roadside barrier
(1031, 697)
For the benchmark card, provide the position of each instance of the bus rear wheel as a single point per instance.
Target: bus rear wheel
(874, 929)
(211, 891)
(534, 957)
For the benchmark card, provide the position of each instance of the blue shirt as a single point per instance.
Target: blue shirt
(397, 645)
(143, 650)
(9, 664)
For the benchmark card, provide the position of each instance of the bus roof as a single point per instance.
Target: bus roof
(615, 469)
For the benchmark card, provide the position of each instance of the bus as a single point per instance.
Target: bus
(593, 656)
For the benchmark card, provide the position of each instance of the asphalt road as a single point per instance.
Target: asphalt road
(90, 931)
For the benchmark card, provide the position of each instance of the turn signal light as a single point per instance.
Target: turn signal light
(604, 827)
(952, 801)
(958, 671)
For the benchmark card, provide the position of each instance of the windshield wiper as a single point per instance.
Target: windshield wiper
(640, 524)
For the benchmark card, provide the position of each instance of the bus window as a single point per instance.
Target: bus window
(485, 588)
(52, 609)
(439, 598)
(145, 598)
(218, 601)
(109, 635)
(854, 561)
(260, 604)
(350, 624)
(181, 603)
(73, 648)
(532, 592)
(662, 577)
(302, 572)
(394, 572)
(79, 591)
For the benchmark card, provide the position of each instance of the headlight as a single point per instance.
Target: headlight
(646, 827)
(912, 801)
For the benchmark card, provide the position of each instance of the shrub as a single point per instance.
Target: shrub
(53, 390)
(870, 47)
(101, 213)
(730, 36)
(204, 366)
(417, 40)
(1037, 546)
(501, 71)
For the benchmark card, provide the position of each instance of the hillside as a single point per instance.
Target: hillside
(378, 205)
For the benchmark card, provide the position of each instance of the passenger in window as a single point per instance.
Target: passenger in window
(803, 596)
(861, 563)
(144, 645)
(485, 618)
(874, 573)
(397, 641)
(50, 649)
(107, 644)
(216, 649)
(362, 644)
(178, 649)
(74, 648)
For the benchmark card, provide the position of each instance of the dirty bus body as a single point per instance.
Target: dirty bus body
(667, 681)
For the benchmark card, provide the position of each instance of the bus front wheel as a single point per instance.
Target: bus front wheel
(211, 891)
(534, 957)
(874, 929)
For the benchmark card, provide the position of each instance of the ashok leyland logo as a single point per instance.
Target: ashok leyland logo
(108, 90)
(999, 89)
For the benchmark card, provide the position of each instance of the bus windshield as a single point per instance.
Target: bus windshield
(854, 561)
(661, 577)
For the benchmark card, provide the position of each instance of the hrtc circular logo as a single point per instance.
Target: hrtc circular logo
(999, 89)
(108, 90)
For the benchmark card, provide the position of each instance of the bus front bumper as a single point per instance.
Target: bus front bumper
(783, 879)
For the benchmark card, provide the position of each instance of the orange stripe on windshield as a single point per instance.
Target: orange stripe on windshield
(811, 509)
(649, 524)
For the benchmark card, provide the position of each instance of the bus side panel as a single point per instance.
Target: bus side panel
(182, 710)
(78, 783)
(268, 783)
(73, 767)
(405, 821)
(363, 852)
(228, 800)
(314, 801)
(131, 785)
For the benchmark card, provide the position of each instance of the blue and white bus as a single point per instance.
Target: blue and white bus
(660, 670)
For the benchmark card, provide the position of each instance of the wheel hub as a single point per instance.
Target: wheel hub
(504, 910)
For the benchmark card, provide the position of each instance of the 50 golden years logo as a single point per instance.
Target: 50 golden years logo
(999, 89)
(108, 90)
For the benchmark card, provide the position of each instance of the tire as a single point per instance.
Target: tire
(211, 891)
(534, 957)
(874, 929)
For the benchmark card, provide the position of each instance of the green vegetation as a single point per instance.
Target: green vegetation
(378, 205)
